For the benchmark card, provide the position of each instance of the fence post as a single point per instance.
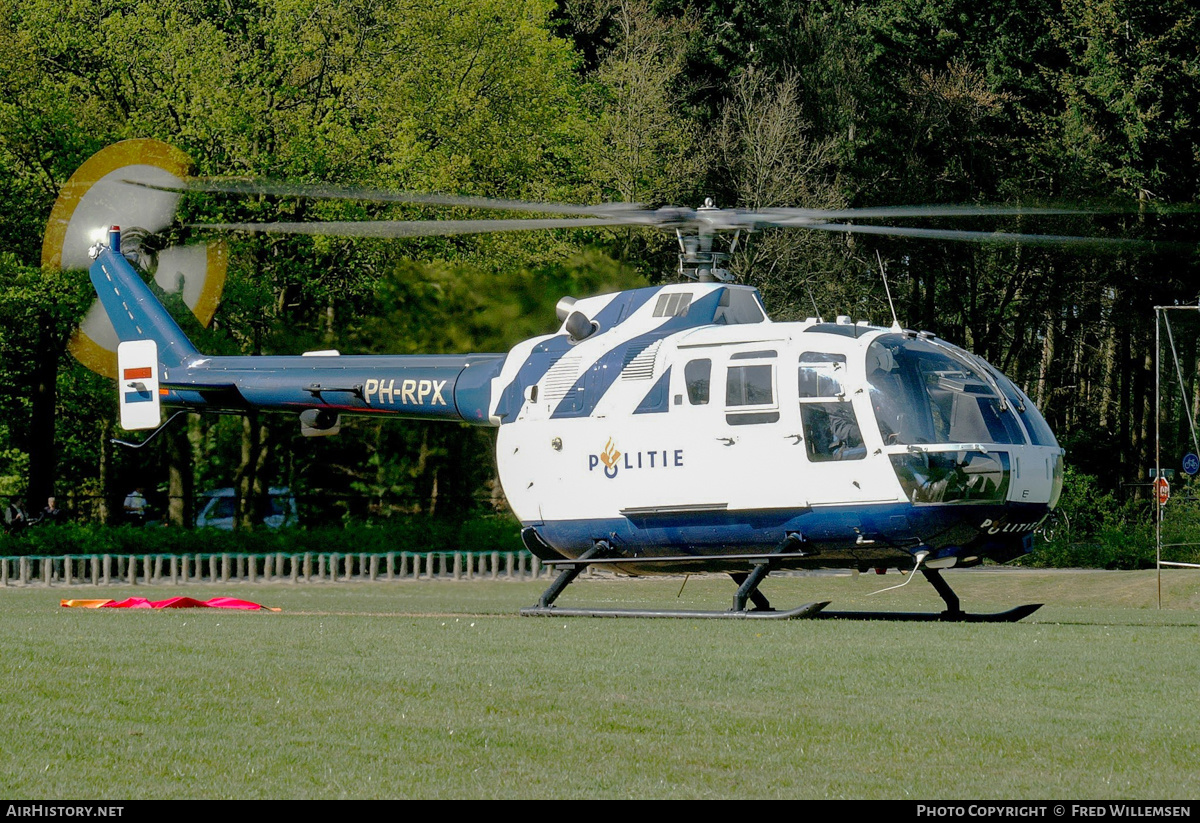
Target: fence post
(67, 570)
(458, 565)
(391, 566)
(374, 573)
(23, 565)
(307, 567)
(106, 573)
(131, 570)
(252, 568)
(148, 565)
(4, 572)
(174, 567)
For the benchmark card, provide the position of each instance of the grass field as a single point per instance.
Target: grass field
(437, 690)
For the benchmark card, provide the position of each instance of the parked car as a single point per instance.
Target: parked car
(220, 507)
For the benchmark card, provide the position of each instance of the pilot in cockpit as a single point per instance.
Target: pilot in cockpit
(887, 392)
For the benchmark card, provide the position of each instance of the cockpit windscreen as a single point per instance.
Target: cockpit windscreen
(923, 394)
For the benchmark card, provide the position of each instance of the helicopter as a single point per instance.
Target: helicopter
(668, 429)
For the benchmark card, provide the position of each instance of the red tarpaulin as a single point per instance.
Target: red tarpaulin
(170, 603)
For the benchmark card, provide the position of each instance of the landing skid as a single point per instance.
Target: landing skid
(1010, 616)
(748, 591)
(808, 610)
(952, 614)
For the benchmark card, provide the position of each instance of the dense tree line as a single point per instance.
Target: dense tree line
(824, 103)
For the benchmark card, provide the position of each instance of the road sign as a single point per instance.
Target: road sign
(1162, 487)
(1191, 463)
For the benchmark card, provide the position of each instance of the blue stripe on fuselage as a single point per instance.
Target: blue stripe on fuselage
(656, 400)
(607, 368)
(835, 532)
(548, 352)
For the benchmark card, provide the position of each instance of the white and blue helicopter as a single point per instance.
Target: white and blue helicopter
(669, 429)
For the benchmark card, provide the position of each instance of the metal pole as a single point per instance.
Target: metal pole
(1157, 461)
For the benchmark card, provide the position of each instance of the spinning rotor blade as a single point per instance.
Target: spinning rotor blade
(639, 214)
(98, 195)
(703, 220)
(320, 191)
(707, 219)
(408, 228)
(978, 236)
(802, 217)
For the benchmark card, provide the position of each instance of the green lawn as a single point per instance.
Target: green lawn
(437, 689)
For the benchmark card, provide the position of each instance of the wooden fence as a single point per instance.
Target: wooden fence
(304, 567)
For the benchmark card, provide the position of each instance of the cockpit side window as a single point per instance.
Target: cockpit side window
(696, 376)
(831, 430)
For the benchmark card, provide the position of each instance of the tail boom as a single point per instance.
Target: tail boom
(435, 387)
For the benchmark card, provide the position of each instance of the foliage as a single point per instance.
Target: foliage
(412, 534)
(824, 103)
(1094, 529)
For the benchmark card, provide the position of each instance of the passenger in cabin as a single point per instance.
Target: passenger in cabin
(847, 442)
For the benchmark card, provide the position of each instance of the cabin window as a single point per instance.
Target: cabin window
(750, 395)
(821, 374)
(831, 430)
(696, 376)
(749, 386)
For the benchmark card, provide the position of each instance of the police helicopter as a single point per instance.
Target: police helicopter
(668, 429)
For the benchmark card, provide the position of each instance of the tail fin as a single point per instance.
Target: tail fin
(135, 312)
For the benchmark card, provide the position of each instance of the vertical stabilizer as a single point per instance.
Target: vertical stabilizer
(134, 311)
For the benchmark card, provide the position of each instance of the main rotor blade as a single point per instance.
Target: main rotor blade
(410, 228)
(663, 218)
(322, 191)
(801, 217)
(636, 214)
(979, 236)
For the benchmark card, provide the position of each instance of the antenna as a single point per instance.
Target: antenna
(816, 311)
(888, 291)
